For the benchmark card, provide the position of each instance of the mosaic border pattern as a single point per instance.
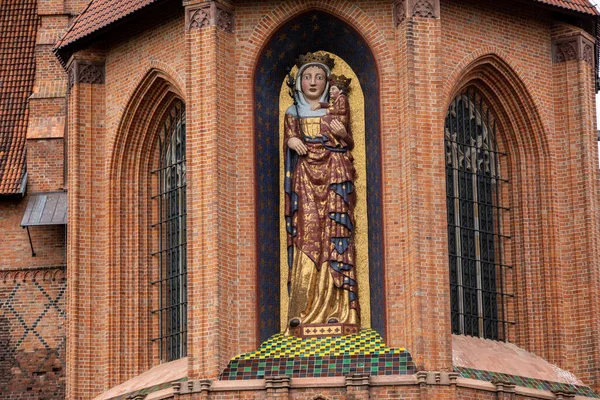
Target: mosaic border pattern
(531, 383)
(364, 353)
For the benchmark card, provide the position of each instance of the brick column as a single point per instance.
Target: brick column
(278, 387)
(425, 276)
(85, 274)
(212, 267)
(47, 105)
(505, 390)
(574, 148)
(357, 387)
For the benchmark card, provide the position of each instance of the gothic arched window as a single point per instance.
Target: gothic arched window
(475, 237)
(171, 285)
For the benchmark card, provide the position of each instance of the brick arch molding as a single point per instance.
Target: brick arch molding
(507, 79)
(308, 32)
(130, 216)
(523, 137)
(343, 10)
(254, 46)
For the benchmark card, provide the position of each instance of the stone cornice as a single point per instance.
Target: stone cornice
(576, 47)
(84, 71)
(210, 13)
(404, 9)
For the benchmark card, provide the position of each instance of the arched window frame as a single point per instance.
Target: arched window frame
(475, 219)
(170, 287)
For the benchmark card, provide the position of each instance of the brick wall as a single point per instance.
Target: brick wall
(503, 48)
(33, 289)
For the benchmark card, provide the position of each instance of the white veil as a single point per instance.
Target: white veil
(304, 107)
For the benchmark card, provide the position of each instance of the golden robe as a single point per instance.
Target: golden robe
(319, 217)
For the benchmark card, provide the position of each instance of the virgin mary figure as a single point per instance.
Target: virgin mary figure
(319, 204)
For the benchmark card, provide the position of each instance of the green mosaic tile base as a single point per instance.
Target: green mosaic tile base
(525, 382)
(363, 353)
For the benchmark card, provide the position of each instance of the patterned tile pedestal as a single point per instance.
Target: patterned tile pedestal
(324, 330)
(360, 354)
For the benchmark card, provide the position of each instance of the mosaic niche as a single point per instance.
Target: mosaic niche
(309, 33)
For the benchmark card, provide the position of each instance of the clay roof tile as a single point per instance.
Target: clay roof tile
(99, 14)
(102, 13)
(582, 6)
(18, 28)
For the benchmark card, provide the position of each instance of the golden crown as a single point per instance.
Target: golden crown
(320, 58)
(340, 81)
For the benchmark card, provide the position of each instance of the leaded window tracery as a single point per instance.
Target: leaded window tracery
(475, 215)
(171, 256)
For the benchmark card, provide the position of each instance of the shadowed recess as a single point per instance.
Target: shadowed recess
(310, 32)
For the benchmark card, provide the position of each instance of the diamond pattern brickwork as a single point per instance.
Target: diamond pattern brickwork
(32, 335)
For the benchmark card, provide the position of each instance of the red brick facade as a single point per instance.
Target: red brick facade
(33, 289)
(531, 63)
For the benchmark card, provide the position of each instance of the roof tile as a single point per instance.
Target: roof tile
(101, 13)
(97, 15)
(583, 6)
(18, 28)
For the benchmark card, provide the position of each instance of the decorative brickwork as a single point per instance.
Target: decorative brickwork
(85, 72)
(577, 47)
(399, 11)
(32, 334)
(211, 13)
(363, 354)
(425, 9)
(403, 9)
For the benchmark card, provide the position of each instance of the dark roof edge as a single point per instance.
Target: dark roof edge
(593, 10)
(64, 51)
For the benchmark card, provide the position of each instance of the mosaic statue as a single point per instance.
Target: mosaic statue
(320, 198)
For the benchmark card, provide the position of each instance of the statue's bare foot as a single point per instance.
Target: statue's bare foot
(332, 321)
(294, 322)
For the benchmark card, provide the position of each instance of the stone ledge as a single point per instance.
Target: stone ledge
(162, 374)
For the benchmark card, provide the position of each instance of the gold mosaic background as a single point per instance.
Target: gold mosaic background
(357, 122)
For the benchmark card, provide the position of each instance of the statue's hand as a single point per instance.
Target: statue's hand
(338, 129)
(297, 145)
(340, 132)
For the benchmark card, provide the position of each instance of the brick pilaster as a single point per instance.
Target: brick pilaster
(421, 119)
(212, 268)
(278, 387)
(576, 163)
(357, 387)
(86, 114)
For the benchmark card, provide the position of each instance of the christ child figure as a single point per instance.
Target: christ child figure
(338, 107)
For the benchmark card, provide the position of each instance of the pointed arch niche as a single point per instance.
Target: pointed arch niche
(133, 212)
(310, 32)
(524, 162)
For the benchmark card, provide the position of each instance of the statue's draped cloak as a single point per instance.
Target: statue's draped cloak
(319, 217)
